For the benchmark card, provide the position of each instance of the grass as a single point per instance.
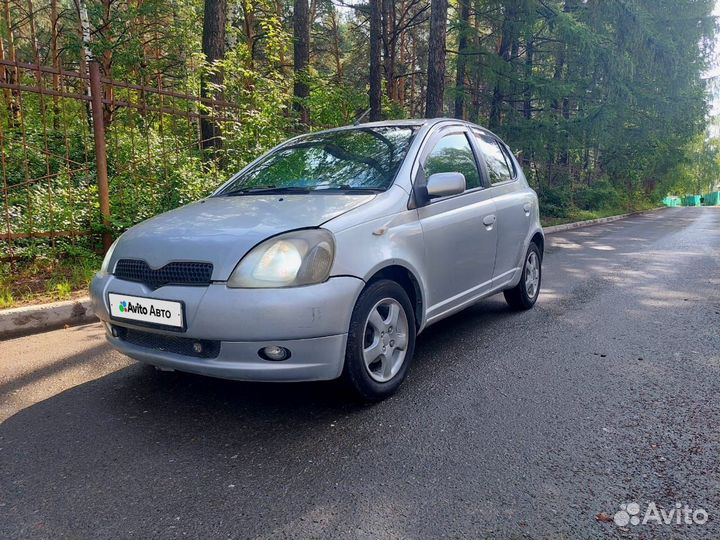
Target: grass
(584, 215)
(46, 278)
(6, 299)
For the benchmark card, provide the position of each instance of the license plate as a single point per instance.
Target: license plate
(147, 310)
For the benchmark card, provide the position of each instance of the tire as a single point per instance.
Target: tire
(519, 298)
(372, 333)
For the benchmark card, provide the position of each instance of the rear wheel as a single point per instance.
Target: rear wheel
(524, 294)
(381, 341)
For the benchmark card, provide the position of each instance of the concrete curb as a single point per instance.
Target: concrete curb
(609, 219)
(26, 320)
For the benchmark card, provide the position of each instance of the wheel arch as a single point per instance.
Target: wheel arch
(539, 240)
(404, 277)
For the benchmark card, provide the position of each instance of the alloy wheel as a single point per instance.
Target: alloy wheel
(532, 274)
(385, 340)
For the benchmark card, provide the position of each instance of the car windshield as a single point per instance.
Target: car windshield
(361, 159)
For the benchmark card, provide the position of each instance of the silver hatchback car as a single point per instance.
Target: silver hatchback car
(327, 256)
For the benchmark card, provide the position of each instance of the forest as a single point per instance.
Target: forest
(606, 103)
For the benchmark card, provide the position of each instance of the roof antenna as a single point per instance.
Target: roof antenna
(360, 118)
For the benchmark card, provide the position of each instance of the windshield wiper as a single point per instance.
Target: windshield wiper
(261, 190)
(266, 189)
(347, 189)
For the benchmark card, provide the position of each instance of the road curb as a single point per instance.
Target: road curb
(26, 320)
(609, 219)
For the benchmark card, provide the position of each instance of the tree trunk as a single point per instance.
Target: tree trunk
(390, 36)
(106, 63)
(85, 55)
(279, 13)
(54, 23)
(464, 28)
(301, 59)
(248, 10)
(10, 75)
(400, 81)
(475, 78)
(213, 46)
(375, 74)
(505, 53)
(413, 70)
(337, 51)
(529, 59)
(558, 104)
(436, 59)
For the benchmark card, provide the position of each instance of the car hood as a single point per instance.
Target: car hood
(221, 230)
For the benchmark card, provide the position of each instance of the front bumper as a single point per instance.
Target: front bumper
(311, 322)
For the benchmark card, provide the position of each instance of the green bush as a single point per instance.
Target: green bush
(600, 195)
(555, 202)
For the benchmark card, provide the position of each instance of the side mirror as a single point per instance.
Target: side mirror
(445, 184)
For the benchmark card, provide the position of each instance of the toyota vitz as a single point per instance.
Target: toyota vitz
(327, 256)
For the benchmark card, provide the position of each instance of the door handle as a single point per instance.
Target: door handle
(489, 220)
(527, 207)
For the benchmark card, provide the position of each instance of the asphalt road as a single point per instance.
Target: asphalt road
(510, 425)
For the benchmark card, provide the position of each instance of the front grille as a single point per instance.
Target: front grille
(171, 344)
(174, 273)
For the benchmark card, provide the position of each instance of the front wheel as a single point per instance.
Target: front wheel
(381, 341)
(524, 294)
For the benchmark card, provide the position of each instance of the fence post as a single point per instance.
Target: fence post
(96, 94)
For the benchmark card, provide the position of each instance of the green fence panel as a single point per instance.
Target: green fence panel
(712, 199)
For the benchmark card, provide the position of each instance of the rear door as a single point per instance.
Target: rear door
(513, 205)
(459, 231)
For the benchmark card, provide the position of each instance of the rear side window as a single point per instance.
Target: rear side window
(497, 165)
(452, 153)
(509, 159)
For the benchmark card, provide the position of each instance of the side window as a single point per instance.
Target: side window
(494, 158)
(452, 153)
(509, 159)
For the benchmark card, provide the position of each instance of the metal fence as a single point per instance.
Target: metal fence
(79, 149)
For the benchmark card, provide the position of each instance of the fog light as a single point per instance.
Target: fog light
(274, 353)
(198, 347)
(117, 331)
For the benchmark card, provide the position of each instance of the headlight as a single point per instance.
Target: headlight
(289, 260)
(108, 256)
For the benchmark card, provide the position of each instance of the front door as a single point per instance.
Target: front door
(459, 231)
